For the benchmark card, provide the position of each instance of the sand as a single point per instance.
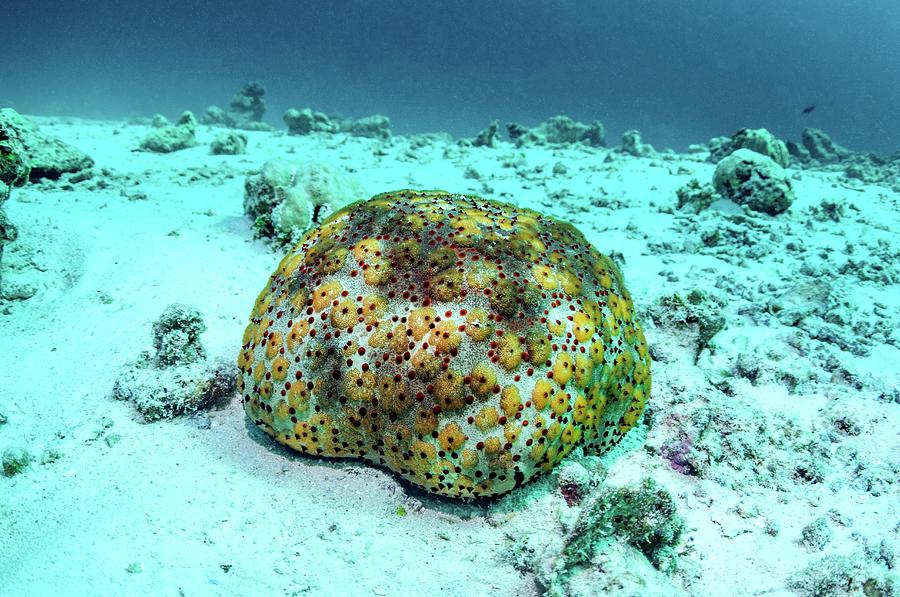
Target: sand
(208, 505)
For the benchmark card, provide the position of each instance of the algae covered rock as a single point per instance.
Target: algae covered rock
(467, 345)
(23, 146)
(15, 460)
(838, 574)
(759, 140)
(752, 179)
(558, 129)
(873, 169)
(216, 116)
(8, 231)
(376, 126)
(696, 314)
(248, 102)
(643, 516)
(28, 154)
(15, 167)
(176, 336)
(177, 378)
(166, 138)
(306, 121)
(821, 147)
(287, 198)
(230, 143)
(699, 196)
(14, 171)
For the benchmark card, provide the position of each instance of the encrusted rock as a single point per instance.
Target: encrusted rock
(177, 378)
(287, 198)
(24, 146)
(752, 179)
(230, 143)
(821, 147)
(166, 138)
(558, 129)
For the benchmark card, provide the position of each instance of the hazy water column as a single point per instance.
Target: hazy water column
(679, 75)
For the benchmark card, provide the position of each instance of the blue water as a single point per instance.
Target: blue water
(680, 72)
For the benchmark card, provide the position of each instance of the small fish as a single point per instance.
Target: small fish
(808, 109)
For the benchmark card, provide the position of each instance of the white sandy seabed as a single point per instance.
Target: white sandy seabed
(778, 441)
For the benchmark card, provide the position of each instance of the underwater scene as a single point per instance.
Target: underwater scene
(455, 299)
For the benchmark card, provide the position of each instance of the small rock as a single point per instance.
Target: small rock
(19, 292)
(230, 143)
(51, 455)
(816, 535)
(201, 420)
(15, 460)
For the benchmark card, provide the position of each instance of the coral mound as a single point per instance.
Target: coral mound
(465, 344)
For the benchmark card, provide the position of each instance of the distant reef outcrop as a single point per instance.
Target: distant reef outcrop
(817, 150)
(759, 140)
(558, 129)
(245, 111)
(308, 121)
